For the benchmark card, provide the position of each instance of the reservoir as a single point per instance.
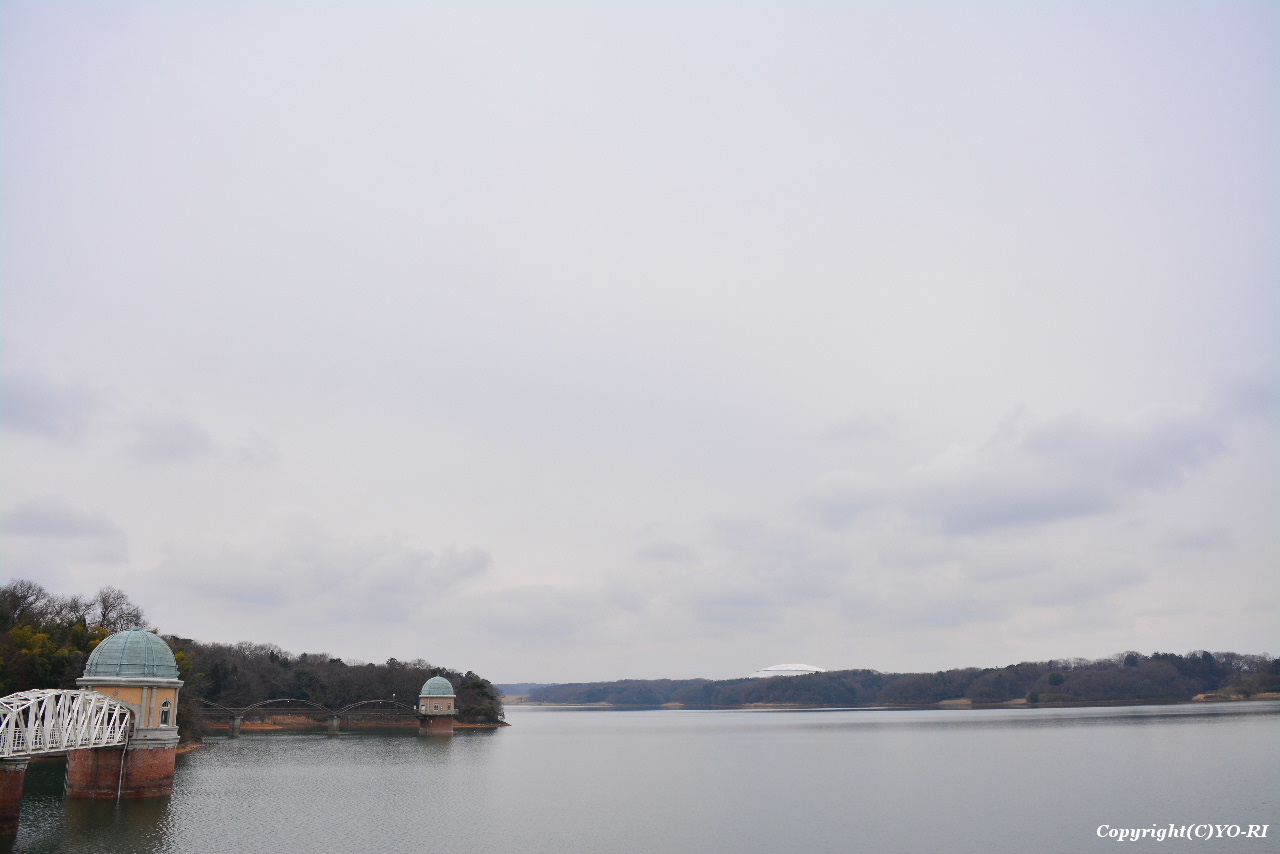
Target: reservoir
(659, 780)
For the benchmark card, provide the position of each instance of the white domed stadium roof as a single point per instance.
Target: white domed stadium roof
(786, 670)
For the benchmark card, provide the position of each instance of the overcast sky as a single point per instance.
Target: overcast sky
(570, 341)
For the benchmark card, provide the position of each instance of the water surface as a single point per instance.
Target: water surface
(566, 780)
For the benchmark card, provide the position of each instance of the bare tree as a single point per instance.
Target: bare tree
(114, 612)
(21, 601)
(70, 609)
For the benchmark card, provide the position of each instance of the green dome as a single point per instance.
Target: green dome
(135, 653)
(436, 686)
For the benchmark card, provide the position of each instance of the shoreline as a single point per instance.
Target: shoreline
(945, 704)
(297, 722)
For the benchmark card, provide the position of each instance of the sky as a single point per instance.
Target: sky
(582, 341)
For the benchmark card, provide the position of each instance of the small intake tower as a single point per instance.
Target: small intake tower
(437, 706)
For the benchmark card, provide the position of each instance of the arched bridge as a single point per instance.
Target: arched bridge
(310, 705)
(53, 721)
(389, 708)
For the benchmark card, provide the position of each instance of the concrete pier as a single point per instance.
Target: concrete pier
(13, 774)
(334, 723)
(117, 772)
(435, 725)
(236, 720)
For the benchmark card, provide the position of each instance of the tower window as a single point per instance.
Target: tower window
(437, 707)
(166, 713)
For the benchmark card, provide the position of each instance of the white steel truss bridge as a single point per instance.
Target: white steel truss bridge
(51, 721)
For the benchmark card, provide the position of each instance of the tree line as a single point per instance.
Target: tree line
(1125, 677)
(239, 675)
(45, 641)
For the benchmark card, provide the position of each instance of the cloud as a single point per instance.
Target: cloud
(1203, 538)
(54, 517)
(65, 410)
(666, 551)
(48, 532)
(837, 498)
(1153, 457)
(754, 571)
(1078, 585)
(1029, 474)
(325, 579)
(963, 586)
(1249, 398)
(253, 453)
(539, 611)
(859, 427)
(785, 581)
(165, 440)
(40, 406)
(891, 574)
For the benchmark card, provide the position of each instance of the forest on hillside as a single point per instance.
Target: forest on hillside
(239, 675)
(45, 640)
(1126, 677)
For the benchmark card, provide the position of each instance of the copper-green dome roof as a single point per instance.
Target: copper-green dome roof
(135, 653)
(436, 686)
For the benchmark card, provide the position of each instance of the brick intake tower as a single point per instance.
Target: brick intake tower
(137, 668)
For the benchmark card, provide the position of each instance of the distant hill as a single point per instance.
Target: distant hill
(625, 692)
(513, 689)
(1125, 677)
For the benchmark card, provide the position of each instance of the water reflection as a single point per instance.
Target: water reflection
(136, 824)
(53, 823)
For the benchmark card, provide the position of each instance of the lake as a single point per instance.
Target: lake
(658, 780)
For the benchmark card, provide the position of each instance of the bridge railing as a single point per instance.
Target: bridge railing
(53, 721)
